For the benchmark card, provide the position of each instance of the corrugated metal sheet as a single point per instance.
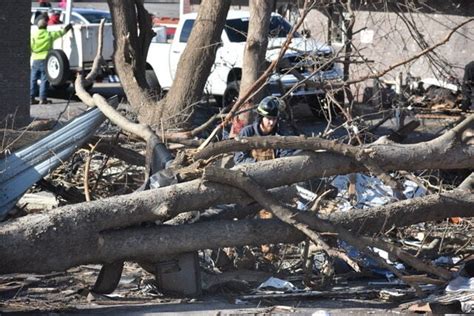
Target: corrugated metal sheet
(20, 170)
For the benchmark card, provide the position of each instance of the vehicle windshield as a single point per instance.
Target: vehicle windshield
(95, 17)
(237, 29)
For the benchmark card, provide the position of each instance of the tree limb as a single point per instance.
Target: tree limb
(307, 223)
(92, 232)
(452, 138)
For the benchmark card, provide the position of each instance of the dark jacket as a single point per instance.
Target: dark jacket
(254, 130)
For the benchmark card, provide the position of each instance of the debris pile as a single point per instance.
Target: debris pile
(362, 213)
(270, 273)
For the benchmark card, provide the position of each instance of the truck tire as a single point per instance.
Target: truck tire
(231, 93)
(57, 67)
(152, 80)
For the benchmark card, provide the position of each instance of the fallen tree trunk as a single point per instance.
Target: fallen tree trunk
(165, 203)
(382, 218)
(71, 235)
(42, 243)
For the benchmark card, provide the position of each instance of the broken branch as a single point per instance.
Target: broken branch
(304, 222)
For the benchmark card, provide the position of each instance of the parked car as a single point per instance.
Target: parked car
(75, 51)
(78, 15)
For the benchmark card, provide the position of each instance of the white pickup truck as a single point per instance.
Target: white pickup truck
(304, 56)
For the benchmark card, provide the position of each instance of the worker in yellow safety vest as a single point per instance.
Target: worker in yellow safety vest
(41, 42)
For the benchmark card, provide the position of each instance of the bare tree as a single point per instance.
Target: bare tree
(132, 31)
(132, 34)
(254, 57)
(195, 63)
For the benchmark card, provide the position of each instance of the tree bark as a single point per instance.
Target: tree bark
(254, 57)
(81, 234)
(194, 65)
(381, 218)
(132, 35)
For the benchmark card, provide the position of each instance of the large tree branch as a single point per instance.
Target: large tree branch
(128, 55)
(308, 222)
(72, 235)
(381, 218)
(455, 137)
(254, 55)
(194, 66)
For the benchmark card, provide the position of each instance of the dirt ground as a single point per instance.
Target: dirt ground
(69, 292)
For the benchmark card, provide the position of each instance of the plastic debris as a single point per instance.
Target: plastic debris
(445, 260)
(273, 284)
(461, 284)
(371, 192)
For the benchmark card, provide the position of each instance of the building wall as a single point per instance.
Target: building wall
(386, 40)
(15, 62)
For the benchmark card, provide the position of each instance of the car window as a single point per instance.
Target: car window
(96, 17)
(186, 31)
(74, 19)
(279, 27)
(237, 29)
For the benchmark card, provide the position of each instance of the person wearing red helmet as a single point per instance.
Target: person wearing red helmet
(54, 17)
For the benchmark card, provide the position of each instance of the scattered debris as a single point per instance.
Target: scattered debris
(424, 267)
